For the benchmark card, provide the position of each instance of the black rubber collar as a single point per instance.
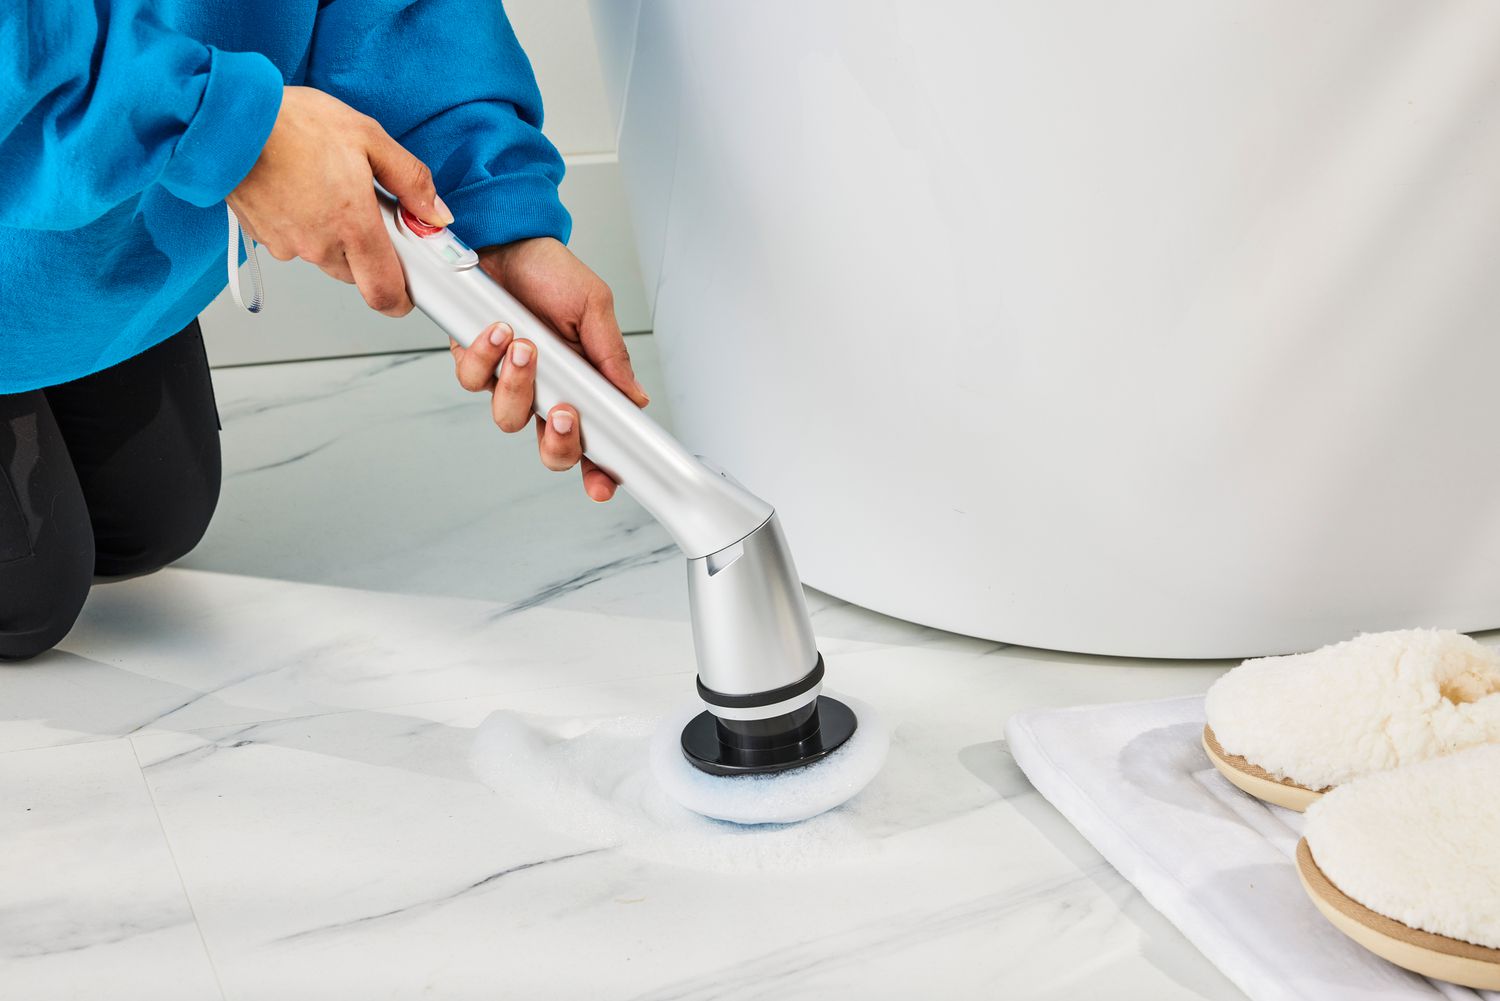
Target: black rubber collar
(758, 699)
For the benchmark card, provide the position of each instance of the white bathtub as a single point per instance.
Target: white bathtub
(1162, 328)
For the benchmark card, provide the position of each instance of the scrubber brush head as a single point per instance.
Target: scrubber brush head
(787, 779)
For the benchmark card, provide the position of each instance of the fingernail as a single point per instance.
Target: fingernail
(641, 390)
(499, 332)
(445, 217)
(563, 422)
(520, 354)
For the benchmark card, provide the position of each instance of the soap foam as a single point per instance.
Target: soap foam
(592, 779)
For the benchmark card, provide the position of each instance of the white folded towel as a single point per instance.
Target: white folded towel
(1133, 778)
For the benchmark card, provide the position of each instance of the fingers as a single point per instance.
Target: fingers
(406, 177)
(596, 482)
(604, 345)
(559, 436)
(558, 440)
(560, 444)
(515, 387)
(475, 365)
(374, 266)
(310, 194)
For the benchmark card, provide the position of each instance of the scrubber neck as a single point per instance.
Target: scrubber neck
(757, 658)
(702, 509)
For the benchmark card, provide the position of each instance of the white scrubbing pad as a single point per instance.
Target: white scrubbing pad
(1419, 844)
(1365, 705)
(588, 781)
(777, 797)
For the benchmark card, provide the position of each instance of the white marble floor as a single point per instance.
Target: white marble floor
(248, 778)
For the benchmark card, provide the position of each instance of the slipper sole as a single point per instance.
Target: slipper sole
(1256, 781)
(1436, 956)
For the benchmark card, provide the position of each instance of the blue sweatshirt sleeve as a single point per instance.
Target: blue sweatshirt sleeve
(99, 101)
(448, 80)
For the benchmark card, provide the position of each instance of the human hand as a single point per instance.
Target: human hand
(310, 195)
(562, 291)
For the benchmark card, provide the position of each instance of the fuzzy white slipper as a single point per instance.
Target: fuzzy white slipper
(1407, 863)
(1316, 720)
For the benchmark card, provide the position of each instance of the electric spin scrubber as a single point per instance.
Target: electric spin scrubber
(760, 675)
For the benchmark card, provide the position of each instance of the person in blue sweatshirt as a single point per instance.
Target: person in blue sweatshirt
(126, 127)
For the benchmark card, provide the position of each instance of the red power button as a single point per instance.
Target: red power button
(417, 226)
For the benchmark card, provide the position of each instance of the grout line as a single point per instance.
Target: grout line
(348, 357)
(181, 882)
(353, 357)
(635, 40)
(384, 707)
(623, 680)
(394, 707)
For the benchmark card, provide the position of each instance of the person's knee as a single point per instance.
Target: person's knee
(24, 644)
(39, 610)
(174, 528)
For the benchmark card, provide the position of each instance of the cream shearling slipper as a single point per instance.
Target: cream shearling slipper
(1288, 729)
(1407, 863)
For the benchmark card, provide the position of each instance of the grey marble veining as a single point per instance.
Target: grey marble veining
(91, 905)
(382, 473)
(248, 778)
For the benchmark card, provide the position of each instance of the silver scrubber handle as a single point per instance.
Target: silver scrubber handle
(702, 509)
(757, 657)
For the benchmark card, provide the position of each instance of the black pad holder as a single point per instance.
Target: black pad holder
(748, 747)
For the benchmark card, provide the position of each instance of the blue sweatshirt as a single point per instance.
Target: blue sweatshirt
(124, 123)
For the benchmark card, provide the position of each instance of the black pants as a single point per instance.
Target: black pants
(113, 474)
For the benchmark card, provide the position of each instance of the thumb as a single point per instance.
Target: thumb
(408, 178)
(604, 346)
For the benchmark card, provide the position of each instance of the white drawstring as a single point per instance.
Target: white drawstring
(253, 306)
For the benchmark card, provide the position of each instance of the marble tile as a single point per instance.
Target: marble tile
(354, 854)
(381, 473)
(298, 703)
(185, 649)
(64, 698)
(90, 902)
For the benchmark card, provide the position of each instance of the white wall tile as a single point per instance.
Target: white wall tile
(558, 35)
(614, 29)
